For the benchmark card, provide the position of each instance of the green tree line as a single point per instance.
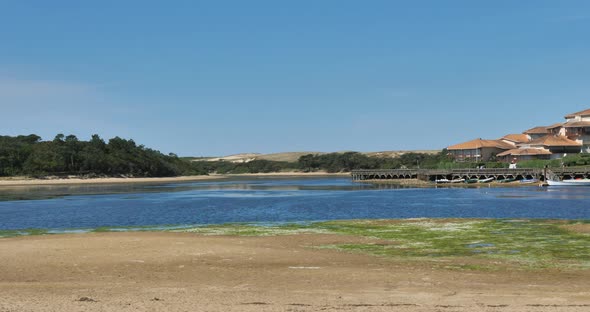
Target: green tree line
(345, 162)
(254, 166)
(28, 155)
(334, 162)
(67, 155)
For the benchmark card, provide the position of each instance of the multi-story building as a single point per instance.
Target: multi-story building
(551, 142)
(536, 132)
(478, 150)
(518, 154)
(556, 146)
(577, 128)
(515, 138)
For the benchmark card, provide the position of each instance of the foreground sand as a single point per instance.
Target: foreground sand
(188, 272)
(22, 181)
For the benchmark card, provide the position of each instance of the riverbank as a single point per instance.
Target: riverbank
(25, 181)
(164, 271)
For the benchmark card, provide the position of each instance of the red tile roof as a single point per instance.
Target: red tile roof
(479, 143)
(537, 130)
(517, 138)
(557, 125)
(552, 140)
(577, 124)
(580, 113)
(525, 151)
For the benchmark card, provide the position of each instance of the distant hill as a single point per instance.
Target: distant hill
(394, 154)
(294, 156)
(237, 158)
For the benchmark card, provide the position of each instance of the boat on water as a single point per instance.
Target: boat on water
(528, 181)
(508, 180)
(572, 182)
(438, 181)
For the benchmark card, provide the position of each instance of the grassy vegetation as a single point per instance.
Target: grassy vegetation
(526, 243)
(25, 232)
(540, 164)
(104, 229)
(572, 160)
(464, 244)
(577, 160)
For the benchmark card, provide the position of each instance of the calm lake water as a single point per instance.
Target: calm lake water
(274, 200)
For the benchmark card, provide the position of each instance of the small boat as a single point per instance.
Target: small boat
(469, 181)
(485, 180)
(507, 180)
(572, 182)
(457, 180)
(442, 181)
(527, 181)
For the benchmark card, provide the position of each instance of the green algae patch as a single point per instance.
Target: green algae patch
(527, 243)
(24, 232)
(458, 244)
(469, 244)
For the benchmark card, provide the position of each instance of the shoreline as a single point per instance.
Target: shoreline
(24, 181)
(201, 228)
(294, 272)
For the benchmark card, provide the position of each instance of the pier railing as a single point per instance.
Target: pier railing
(469, 173)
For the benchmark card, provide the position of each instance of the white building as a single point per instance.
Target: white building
(577, 128)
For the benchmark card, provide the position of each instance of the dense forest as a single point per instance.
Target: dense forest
(67, 155)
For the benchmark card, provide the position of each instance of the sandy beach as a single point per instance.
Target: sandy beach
(188, 272)
(23, 181)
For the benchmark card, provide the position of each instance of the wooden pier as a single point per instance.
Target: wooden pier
(454, 174)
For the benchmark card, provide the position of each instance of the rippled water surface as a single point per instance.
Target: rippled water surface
(274, 200)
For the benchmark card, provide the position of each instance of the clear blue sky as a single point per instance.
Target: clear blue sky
(221, 77)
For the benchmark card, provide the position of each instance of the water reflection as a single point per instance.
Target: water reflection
(273, 200)
(12, 193)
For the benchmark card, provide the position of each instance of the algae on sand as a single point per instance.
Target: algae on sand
(466, 243)
(524, 243)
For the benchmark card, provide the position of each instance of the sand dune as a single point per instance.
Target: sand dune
(294, 156)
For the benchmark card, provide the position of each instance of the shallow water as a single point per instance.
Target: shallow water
(274, 200)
